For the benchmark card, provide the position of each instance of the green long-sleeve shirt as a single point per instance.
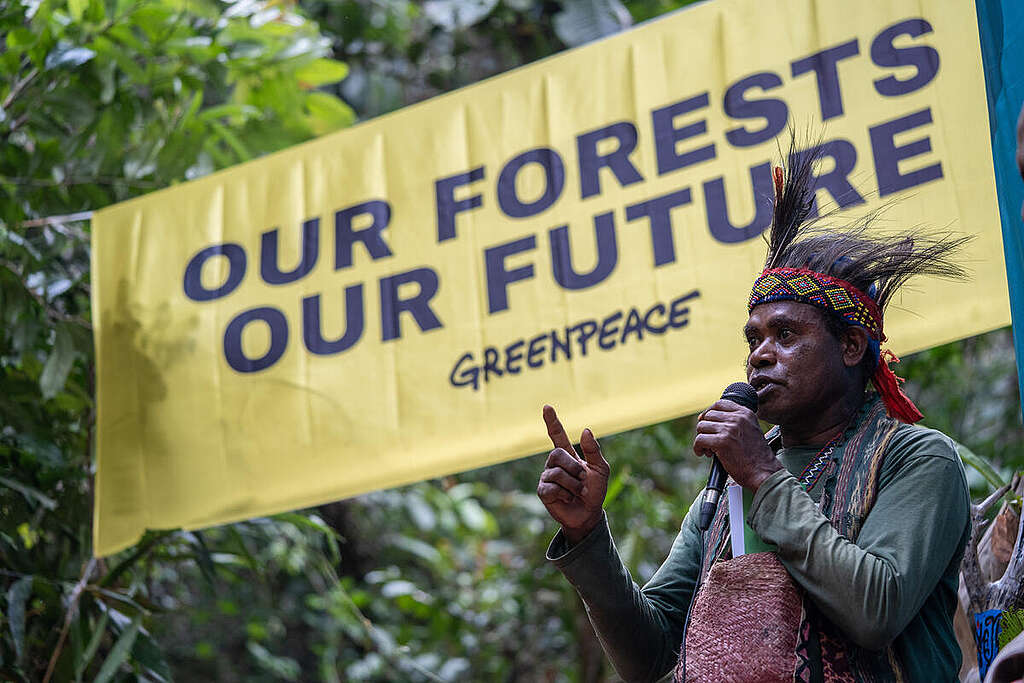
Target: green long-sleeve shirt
(897, 584)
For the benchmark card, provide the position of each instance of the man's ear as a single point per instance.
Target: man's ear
(854, 343)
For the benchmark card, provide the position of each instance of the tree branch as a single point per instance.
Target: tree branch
(76, 593)
(80, 180)
(1006, 592)
(51, 220)
(979, 589)
(19, 86)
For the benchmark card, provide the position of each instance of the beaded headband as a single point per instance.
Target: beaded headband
(852, 305)
(824, 291)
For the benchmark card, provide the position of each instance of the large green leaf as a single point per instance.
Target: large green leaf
(17, 596)
(43, 450)
(77, 8)
(313, 522)
(20, 38)
(123, 58)
(68, 55)
(420, 549)
(58, 364)
(322, 71)
(328, 113)
(476, 517)
(238, 112)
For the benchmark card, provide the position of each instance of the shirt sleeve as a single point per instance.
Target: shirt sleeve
(641, 629)
(871, 589)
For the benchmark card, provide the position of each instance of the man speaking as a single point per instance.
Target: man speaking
(868, 514)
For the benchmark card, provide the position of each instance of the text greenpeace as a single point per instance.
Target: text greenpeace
(677, 135)
(607, 332)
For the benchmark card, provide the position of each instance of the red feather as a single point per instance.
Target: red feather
(887, 383)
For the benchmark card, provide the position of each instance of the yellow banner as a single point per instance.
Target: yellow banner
(398, 300)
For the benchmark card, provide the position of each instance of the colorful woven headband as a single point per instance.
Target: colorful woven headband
(823, 291)
(850, 304)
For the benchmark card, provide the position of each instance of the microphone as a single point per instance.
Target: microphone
(742, 394)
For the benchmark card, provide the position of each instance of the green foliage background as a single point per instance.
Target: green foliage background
(103, 100)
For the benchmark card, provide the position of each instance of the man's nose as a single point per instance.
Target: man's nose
(762, 355)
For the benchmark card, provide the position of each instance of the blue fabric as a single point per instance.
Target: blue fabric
(1001, 26)
(987, 626)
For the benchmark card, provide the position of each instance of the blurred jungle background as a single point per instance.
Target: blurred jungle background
(103, 100)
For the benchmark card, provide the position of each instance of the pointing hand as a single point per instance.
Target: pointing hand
(573, 488)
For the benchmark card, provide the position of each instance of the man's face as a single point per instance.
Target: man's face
(795, 364)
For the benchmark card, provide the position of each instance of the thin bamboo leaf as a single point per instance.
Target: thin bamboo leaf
(119, 653)
(30, 493)
(233, 141)
(616, 485)
(981, 465)
(92, 647)
(147, 653)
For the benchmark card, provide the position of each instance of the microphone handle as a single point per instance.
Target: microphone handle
(744, 395)
(716, 484)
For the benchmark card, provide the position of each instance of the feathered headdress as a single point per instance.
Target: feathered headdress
(846, 270)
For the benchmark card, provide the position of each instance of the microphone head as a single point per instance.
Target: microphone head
(742, 394)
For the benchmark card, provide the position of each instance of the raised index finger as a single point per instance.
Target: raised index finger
(557, 433)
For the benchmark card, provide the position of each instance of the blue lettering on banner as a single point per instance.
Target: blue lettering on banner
(270, 269)
(888, 155)
(193, 282)
(278, 327)
(607, 254)
(554, 180)
(924, 58)
(591, 161)
(824, 64)
(836, 181)
(345, 237)
(471, 370)
(312, 331)
(657, 211)
(667, 136)
(723, 229)
(448, 206)
(392, 305)
(774, 111)
(499, 277)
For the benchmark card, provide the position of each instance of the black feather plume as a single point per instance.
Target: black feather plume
(874, 262)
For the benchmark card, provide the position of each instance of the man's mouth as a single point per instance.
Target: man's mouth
(762, 384)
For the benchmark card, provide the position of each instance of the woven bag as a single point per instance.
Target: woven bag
(744, 624)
